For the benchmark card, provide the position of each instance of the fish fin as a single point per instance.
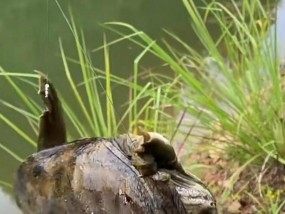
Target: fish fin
(52, 131)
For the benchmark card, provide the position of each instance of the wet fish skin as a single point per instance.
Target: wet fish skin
(99, 175)
(90, 175)
(195, 196)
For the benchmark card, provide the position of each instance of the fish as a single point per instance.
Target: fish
(128, 173)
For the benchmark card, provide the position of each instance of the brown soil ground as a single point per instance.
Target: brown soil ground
(247, 190)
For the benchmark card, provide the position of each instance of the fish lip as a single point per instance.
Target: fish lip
(195, 196)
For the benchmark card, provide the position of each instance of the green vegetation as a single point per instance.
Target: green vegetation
(235, 91)
(239, 93)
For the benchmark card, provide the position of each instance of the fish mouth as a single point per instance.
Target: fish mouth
(195, 196)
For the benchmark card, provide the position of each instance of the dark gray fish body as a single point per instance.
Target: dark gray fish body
(90, 176)
(128, 174)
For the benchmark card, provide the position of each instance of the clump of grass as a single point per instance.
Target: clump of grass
(239, 93)
(96, 122)
(271, 202)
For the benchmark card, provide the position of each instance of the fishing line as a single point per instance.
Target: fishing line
(89, 62)
(47, 37)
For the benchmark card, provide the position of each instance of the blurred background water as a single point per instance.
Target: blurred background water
(29, 35)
